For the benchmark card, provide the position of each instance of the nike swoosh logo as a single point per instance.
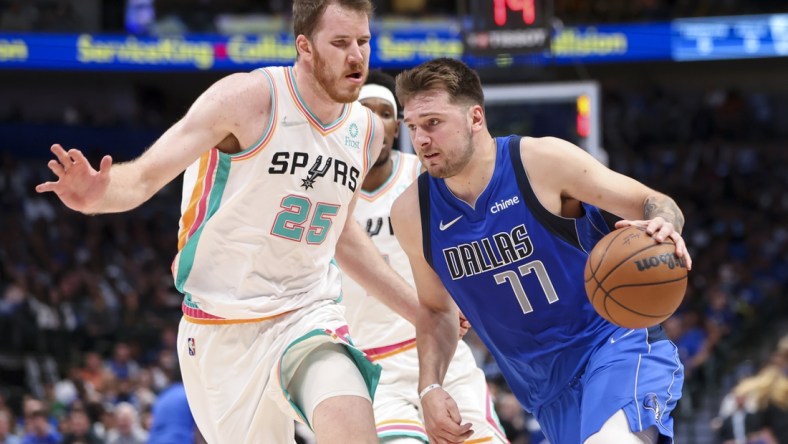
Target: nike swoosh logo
(613, 340)
(444, 227)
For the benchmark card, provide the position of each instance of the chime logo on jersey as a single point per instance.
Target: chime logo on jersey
(286, 162)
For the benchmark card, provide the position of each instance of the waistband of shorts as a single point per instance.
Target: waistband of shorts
(656, 333)
(197, 316)
(374, 354)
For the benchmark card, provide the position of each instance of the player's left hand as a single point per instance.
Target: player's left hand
(442, 419)
(660, 229)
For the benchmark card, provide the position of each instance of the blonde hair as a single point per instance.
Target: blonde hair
(769, 386)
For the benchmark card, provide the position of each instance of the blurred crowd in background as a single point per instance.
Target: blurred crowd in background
(89, 314)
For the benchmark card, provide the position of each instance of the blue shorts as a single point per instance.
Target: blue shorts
(637, 371)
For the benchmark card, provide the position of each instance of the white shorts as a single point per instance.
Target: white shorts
(235, 373)
(396, 402)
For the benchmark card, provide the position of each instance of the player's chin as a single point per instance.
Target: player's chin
(439, 173)
(349, 95)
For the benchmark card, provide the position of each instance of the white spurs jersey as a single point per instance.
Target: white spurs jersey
(371, 323)
(259, 228)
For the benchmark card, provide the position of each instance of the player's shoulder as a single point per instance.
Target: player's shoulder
(546, 151)
(244, 86)
(547, 144)
(241, 79)
(542, 143)
(242, 93)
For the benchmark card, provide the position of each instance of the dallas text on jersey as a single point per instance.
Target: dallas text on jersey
(488, 253)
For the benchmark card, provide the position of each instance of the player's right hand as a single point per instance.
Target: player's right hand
(660, 229)
(442, 419)
(79, 186)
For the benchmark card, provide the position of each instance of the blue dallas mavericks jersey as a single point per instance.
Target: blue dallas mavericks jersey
(516, 271)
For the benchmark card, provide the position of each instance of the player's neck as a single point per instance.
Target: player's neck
(378, 175)
(469, 183)
(314, 96)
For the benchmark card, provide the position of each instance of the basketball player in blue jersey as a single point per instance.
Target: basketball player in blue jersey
(386, 337)
(505, 229)
(274, 160)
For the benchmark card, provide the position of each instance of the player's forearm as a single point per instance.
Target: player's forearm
(361, 261)
(436, 341)
(127, 190)
(660, 205)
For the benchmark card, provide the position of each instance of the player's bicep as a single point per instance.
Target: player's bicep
(173, 152)
(215, 115)
(432, 293)
(584, 178)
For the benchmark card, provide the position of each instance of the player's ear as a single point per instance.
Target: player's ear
(303, 46)
(477, 117)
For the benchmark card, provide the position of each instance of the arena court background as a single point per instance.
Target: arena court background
(87, 308)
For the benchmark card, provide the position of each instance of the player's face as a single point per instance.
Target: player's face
(440, 132)
(385, 111)
(341, 52)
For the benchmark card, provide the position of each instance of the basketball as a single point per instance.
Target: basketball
(633, 281)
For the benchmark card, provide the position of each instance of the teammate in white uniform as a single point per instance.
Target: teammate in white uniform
(274, 163)
(387, 338)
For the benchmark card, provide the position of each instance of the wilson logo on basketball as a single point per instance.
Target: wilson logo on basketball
(662, 259)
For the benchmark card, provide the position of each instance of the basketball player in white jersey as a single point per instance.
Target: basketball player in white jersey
(387, 338)
(274, 162)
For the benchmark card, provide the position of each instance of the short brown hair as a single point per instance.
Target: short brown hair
(443, 74)
(307, 13)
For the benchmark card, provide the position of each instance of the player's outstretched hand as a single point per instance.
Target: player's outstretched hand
(442, 419)
(79, 186)
(660, 229)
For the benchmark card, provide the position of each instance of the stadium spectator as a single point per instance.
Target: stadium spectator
(38, 429)
(7, 435)
(128, 429)
(79, 428)
(173, 422)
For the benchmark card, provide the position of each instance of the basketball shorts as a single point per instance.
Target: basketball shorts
(236, 373)
(397, 407)
(637, 371)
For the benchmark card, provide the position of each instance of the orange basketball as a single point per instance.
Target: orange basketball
(633, 281)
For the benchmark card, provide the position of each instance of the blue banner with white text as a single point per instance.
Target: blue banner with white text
(404, 46)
